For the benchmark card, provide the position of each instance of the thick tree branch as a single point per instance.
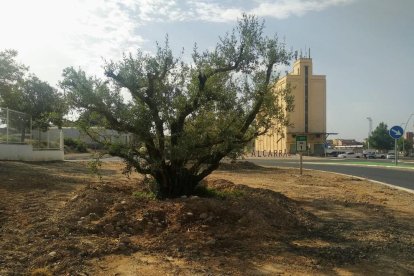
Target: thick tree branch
(157, 153)
(159, 124)
(132, 161)
(178, 125)
(256, 108)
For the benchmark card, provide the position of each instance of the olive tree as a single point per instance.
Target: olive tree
(186, 116)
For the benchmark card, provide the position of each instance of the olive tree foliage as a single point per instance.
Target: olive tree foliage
(186, 117)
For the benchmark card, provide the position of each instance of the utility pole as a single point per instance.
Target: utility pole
(405, 127)
(370, 129)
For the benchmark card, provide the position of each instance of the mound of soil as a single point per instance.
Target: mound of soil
(103, 218)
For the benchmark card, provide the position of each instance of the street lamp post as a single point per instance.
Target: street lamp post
(369, 130)
(406, 124)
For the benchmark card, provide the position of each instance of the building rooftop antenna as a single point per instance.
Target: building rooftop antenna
(309, 53)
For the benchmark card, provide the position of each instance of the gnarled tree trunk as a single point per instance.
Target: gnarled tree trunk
(175, 182)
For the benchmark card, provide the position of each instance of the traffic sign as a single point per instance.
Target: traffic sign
(396, 132)
(301, 143)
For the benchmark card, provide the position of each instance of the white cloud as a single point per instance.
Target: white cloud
(285, 8)
(214, 12)
(51, 35)
(227, 11)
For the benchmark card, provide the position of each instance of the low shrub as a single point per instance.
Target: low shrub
(204, 191)
(76, 145)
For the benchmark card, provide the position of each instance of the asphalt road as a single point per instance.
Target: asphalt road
(395, 176)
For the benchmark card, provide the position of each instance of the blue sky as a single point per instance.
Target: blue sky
(364, 47)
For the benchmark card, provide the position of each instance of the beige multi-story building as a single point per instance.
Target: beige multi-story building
(308, 117)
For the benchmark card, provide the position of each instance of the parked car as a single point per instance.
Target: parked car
(350, 155)
(336, 153)
(380, 155)
(374, 155)
(369, 154)
(390, 156)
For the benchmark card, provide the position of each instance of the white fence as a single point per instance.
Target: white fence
(15, 127)
(19, 141)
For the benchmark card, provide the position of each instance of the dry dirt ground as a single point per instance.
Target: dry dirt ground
(61, 218)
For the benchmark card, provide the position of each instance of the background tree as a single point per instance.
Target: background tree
(11, 76)
(43, 102)
(408, 146)
(380, 138)
(28, 94)
(186, 117)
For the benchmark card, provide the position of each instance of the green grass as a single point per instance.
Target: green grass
(383, 164)
(203, 191)
(144, 195)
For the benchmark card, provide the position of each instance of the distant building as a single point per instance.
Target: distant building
(409, 135)
(329, 143)
(346, 143)
(308, 117)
